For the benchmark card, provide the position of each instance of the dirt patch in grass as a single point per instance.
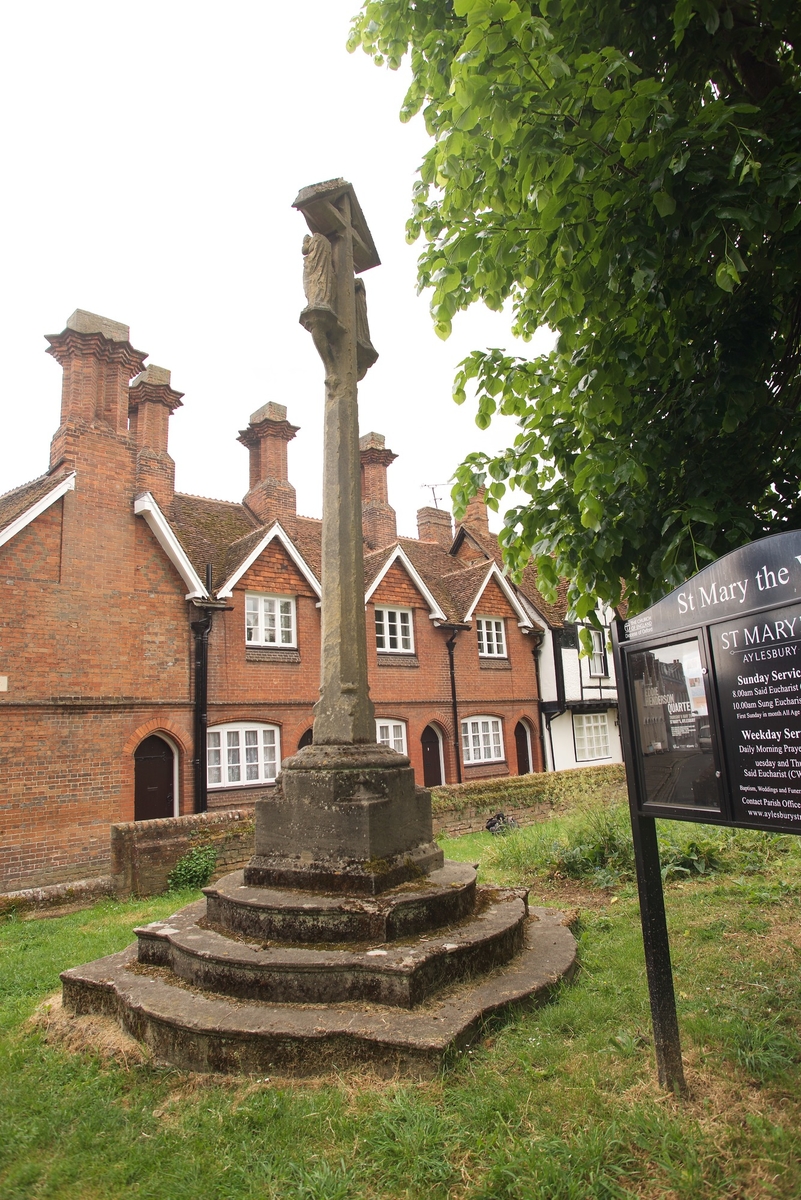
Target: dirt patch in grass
(92, 1034)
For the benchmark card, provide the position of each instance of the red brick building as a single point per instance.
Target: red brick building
(137, 620)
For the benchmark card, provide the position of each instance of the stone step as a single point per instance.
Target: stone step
(393, 973)
(199, 1032)
(444, 897)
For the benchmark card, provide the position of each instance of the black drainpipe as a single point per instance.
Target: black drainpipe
(535, 654)
(456, 738)
(201, 630)
(559, 672)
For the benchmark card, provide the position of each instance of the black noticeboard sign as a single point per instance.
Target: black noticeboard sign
(709, 685)
(712, 676)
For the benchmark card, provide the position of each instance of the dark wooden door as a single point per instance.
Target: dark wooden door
(153, 775)
(432, 762)
(305, 739)
(521, 743)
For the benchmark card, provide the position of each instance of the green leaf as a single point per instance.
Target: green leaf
(665, 204)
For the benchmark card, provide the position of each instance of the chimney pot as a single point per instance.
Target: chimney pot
(434, 525)
(151, 403)
(477, 515)
(98, 362)
(271, 496)
(379, 526)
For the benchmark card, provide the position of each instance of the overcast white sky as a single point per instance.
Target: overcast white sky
(151, 152)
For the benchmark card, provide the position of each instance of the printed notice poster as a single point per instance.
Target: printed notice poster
(758, 669)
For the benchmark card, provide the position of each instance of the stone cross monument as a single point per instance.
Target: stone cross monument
(345, 815)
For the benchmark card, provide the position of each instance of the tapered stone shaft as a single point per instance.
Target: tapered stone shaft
(344, 713)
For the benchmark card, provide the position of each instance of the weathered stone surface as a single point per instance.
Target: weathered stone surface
(395, 973)
(212, 1033)
(446, 896)
(344, 818)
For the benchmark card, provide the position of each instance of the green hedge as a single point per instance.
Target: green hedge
(555, 788)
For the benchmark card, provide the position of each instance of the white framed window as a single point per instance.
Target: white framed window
(591, 733)
(270, 620)
(393, 631)
(242, 753)
(598, 666)
(391, 732)
(482, 740)
(491, 640)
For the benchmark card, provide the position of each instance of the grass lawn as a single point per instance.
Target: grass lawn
(559, 1102)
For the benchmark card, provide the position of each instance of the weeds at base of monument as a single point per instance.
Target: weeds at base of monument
(194, 869)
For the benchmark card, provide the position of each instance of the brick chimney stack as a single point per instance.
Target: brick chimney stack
(151, 402)
(98, 362)
(379, 527)
(435, 525)
(477, 516)
(271, 496)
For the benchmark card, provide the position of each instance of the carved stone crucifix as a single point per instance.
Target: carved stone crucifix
(336, 316)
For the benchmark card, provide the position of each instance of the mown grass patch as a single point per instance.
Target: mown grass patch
(558, 1103)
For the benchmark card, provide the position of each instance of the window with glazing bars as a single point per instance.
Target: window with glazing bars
(393, 630)
(270, 620)
(491, 642)
(482, 740)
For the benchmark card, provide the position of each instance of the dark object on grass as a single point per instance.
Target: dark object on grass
(500, 824)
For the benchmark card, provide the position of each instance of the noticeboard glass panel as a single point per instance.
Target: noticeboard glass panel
(672, 725)
(758, 672)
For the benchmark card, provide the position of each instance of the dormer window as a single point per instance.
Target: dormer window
(393, 631)
(491, 640)
(270, 621)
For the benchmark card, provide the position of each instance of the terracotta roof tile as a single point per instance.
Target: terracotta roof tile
(207, 529)
(16, 502)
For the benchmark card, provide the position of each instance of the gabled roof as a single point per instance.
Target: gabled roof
(145, 506)
(523, 618)
(208, 528)
(552, 613)
(24, 504)
(396, 554)
(248, 550)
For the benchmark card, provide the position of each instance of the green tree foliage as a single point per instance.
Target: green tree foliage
(627, 172)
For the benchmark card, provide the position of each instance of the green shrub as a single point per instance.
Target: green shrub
(194, 869)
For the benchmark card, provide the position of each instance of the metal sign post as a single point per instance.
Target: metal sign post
(709, 683)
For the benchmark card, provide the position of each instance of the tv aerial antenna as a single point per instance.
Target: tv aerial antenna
(432, 488)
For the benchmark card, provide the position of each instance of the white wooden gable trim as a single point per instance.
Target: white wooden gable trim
(524, 620)
(275, 531)
(145, 506)
(30, 514)
(435, 613)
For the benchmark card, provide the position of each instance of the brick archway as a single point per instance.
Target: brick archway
(180, 741)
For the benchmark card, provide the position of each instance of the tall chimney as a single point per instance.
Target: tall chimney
(151, 402)
(271, 496)
(98, 362)
(477, 516)
(434, 525)
(379, 527)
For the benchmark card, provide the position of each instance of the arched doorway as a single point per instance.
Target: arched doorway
(523, 747)
(432, 757)
(154, 779)
(305, 739)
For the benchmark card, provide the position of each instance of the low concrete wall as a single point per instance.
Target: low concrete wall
(144, 852)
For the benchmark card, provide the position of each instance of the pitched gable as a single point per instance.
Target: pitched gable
(24, 504)
(275, 571)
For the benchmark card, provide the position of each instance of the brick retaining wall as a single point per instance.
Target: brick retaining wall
(144, 852)
(472, 819)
